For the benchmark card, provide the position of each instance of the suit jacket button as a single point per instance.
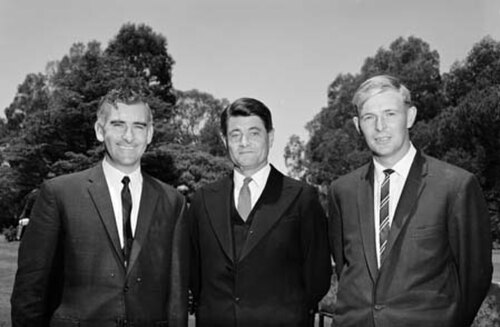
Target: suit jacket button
(139, 279)
(237, 299)
(125, 289)
(378, 307)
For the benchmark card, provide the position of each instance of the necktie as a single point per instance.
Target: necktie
(127, 226)
(384, 227)
(245, 199)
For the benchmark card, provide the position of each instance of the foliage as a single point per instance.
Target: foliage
(458, 114)
(196, 121)
(49, 129)
(194, 168)
(10, 195)
(9, 233)
(295, 158)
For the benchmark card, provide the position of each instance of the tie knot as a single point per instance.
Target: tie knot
(247, 181)
(125, 180)
(387, 172)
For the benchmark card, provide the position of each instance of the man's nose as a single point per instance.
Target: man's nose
(244, 140)
(380, 124)
(128, 135)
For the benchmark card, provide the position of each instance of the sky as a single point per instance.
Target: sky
(282, 52)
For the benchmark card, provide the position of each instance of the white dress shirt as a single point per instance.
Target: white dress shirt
(114, 180)
(257, 185)
(397, 182)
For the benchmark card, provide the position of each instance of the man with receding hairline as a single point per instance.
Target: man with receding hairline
(410, 234)
(107, 246)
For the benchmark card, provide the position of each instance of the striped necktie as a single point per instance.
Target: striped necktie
(384, 226)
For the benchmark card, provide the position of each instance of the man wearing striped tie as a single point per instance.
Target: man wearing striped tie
(410, 234)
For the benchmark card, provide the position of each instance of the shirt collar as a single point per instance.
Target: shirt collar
(259, 178)
(401, 168)
(115, 176)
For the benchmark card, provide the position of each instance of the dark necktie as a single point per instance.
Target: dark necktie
(384, 227)
(245, 199)
(127, 226)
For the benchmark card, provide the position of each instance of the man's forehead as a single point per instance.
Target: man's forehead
(252, 121)
(124, 111)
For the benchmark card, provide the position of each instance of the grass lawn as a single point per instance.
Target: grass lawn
(8, 264)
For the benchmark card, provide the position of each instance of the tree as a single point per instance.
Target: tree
(147, 52)
(479, 70)
(32, 95)
(52, 117)
(412, 61)
(196, 121)
(295, 158)
(185, 167)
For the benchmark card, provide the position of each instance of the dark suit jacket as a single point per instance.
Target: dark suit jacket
(284, 268)
(438, 265)
(71, 270)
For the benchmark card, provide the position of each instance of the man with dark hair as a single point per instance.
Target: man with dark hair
(410, 234)
(106, 246)
(259, 242)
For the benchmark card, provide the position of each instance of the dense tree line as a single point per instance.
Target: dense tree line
(48, 129)
(458, 116)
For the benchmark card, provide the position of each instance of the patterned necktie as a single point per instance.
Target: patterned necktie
(245, 199)
(384, 226)
(127, 226)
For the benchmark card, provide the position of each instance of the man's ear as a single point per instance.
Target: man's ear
(270, 135)
(411, 116)
(150, 133)
(355, 120)
(99, 132)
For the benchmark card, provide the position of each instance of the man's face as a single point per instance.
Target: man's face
(384, 121)
(248, 143)
(126, 133)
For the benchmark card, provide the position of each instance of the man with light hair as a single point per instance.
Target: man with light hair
(410, 234)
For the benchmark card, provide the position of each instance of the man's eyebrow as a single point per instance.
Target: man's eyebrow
(116, 121)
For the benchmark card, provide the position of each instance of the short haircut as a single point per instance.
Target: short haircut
(379, 84)
(124, 95)
(246, 107)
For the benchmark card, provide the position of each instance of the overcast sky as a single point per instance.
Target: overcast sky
(282, 52)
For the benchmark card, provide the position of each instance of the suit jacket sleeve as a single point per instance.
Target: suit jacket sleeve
(37, 286)
(178, 304)
(470, 239)
(335, 234)
(317, 267)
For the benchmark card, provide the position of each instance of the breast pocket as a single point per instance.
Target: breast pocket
(290, 218)
(427, 231)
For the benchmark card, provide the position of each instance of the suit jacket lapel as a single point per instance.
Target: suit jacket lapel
(275, 199)
(147, 207)
(367, 219)
(218, 208)
(99, 193)
(409, 197)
